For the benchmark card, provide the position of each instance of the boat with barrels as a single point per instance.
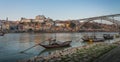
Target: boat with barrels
(55, 44)
(108, 36)
(92, 38)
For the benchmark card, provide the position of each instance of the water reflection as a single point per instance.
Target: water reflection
(16, 42)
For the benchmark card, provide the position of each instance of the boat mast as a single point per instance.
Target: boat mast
(93, 30)
(55, 37)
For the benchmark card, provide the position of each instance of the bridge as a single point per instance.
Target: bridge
(110, 18)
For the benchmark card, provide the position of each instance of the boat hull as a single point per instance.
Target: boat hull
(94, 40)
(56, 45)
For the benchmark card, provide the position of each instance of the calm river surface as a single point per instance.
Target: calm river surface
(11, 44)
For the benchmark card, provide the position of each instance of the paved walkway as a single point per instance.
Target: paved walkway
(112, 56)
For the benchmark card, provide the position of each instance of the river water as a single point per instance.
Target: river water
(12, 44)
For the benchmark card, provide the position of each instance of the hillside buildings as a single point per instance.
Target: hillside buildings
(42, 24)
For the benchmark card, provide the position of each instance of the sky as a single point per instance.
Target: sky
(57, 9)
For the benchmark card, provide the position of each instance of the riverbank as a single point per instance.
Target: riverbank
(48, 31)
(112, 56)
(77, 54)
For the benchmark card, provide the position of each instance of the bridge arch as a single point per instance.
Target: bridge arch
(106, 17)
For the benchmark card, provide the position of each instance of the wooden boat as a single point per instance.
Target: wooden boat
(2, 34)
(107, 36)
(93, 39)
(57, 45)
